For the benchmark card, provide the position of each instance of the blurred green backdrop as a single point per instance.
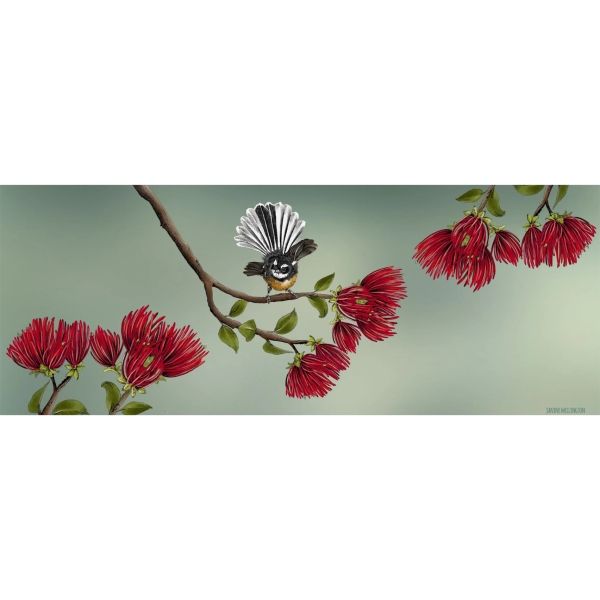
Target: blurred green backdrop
(527, 342)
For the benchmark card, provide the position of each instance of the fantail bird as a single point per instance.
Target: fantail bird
(272, 230)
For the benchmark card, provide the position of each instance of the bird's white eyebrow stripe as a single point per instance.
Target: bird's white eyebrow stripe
(286, 265)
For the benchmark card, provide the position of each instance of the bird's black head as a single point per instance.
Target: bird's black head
(280, 267)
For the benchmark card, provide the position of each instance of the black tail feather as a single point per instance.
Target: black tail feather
(302, 249)
(253, 268)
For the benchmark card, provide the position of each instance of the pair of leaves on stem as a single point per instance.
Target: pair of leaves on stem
(285, 324)
(66, 407)
(248, 329)
(74, 407)
(532, 190)
(493, 201)
(319, 303)
(113, 395)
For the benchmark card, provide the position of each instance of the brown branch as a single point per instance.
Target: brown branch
(119, 404)
(209, 281)
(50, 405)
(544, 202)
(485, 198)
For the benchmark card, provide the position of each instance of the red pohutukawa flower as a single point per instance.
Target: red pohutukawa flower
(506, 247)
(182, 352)
(462, 251)
(471, 233)
(79, 342)
(345, 335)
(40, 347)
(372, 303)
(580, 230)
(565, 238)
(436, 254)
(106, 347)
(141, 325)
(308, 376)
(142, 366)
(377, 327)
(478, 270)
(386, 286)
(351, 301)
(330, 354)
(531, 247)
(179, 350)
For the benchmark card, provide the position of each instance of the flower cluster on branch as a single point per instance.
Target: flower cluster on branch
(462, 250)
(153, 352)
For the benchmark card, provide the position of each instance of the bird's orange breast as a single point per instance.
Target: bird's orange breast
(278, 285)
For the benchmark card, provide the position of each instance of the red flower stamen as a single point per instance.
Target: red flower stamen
(436, 254)
(479, 270)
(142, 365)
(181, 352)
(346, 335)
(506, 247)
(309, 376)
(79, 342)
(386, 285)
(470, 235)
(531, 248)
(333, 356)
(41, 345)
(106, 347)
(142, 326)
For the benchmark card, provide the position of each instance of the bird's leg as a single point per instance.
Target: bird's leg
(269, 288)
(292, 293)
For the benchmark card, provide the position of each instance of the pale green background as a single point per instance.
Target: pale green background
(528, 341)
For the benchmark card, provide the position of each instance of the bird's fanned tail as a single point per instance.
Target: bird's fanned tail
(269, 228)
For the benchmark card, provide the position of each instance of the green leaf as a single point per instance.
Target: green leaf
(562, 192)
(135, 408)
(70, 407)
(529, 190)
(493, 205)
(471, 196)
(271, 349)
(324, 283)
(228, 336)
(319, 304)
(248, 329)
(34, 404)
(238, 308)
(287, 323)
(112, 394)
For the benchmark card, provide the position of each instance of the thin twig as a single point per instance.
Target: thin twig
(486, 197)
(50, 405)
(544, 202)
(119, 404)
(209, 281)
